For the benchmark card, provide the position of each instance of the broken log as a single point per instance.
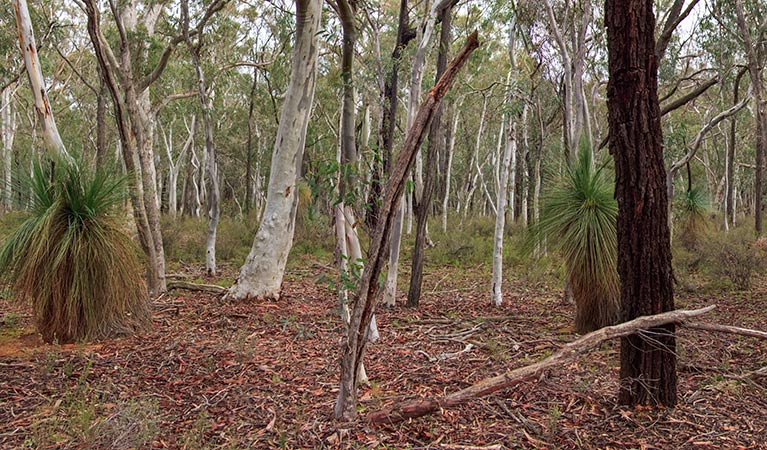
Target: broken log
(565, 355)
(197, 287)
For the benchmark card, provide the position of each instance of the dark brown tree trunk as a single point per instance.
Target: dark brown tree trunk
(405, 34)
(648, 360)
(730, 192)
(436, 144)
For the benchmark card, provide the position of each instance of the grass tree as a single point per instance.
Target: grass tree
(579, 219)
(72, 261)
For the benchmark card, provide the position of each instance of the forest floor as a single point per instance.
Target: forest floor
(215, 374)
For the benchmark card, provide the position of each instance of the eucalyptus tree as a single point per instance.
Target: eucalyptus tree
(37, 82)
(204, 93)
(436, 144)
(648, 360)
(754, 36)
(509, 153)
(576, 116)
(261, 275)
(129, 76)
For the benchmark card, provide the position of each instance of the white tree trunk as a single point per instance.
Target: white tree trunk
(448, 174)
(7, 135)
(262, 274)
(475, 158)
(36, 82)
(509, 159)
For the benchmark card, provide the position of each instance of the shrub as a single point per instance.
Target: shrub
(71, 259)
(735, 255)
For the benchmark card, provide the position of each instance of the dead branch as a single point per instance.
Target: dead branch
(197, 287)
(565, 355)
(725, 329)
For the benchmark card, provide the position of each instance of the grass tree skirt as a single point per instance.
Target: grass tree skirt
(72, 261)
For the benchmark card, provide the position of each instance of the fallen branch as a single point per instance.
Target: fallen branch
(565, 355)
(197, 287)
(725, 329)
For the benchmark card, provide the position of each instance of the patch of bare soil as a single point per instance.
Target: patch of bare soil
(215, 374)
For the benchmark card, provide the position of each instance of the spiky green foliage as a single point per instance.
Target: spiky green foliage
(692, 209)
(71, 260)
(578, 219)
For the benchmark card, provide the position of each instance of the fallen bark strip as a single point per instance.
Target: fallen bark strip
(197, 287)
(567, 354)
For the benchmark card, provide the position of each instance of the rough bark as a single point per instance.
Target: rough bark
(261, 275)
(648, 362)
(354, 343)
(570, 352)
(436, 144)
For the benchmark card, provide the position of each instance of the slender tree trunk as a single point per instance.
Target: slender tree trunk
(386, 134)
(648, 360)
(351, 262)
(416, 77)
(249, 161)
(730, 160)
(474, 170)
(509, 153)
(211, 166)
(449, 170)
(436, 143)
(525, 170)
(7, 134)
(570, 129)
(135, 123)
(101, 125)
(262, 274)
(755, 65)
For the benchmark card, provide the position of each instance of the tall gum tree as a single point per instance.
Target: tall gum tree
(261, 275)
(135, 115)
(648, 359)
